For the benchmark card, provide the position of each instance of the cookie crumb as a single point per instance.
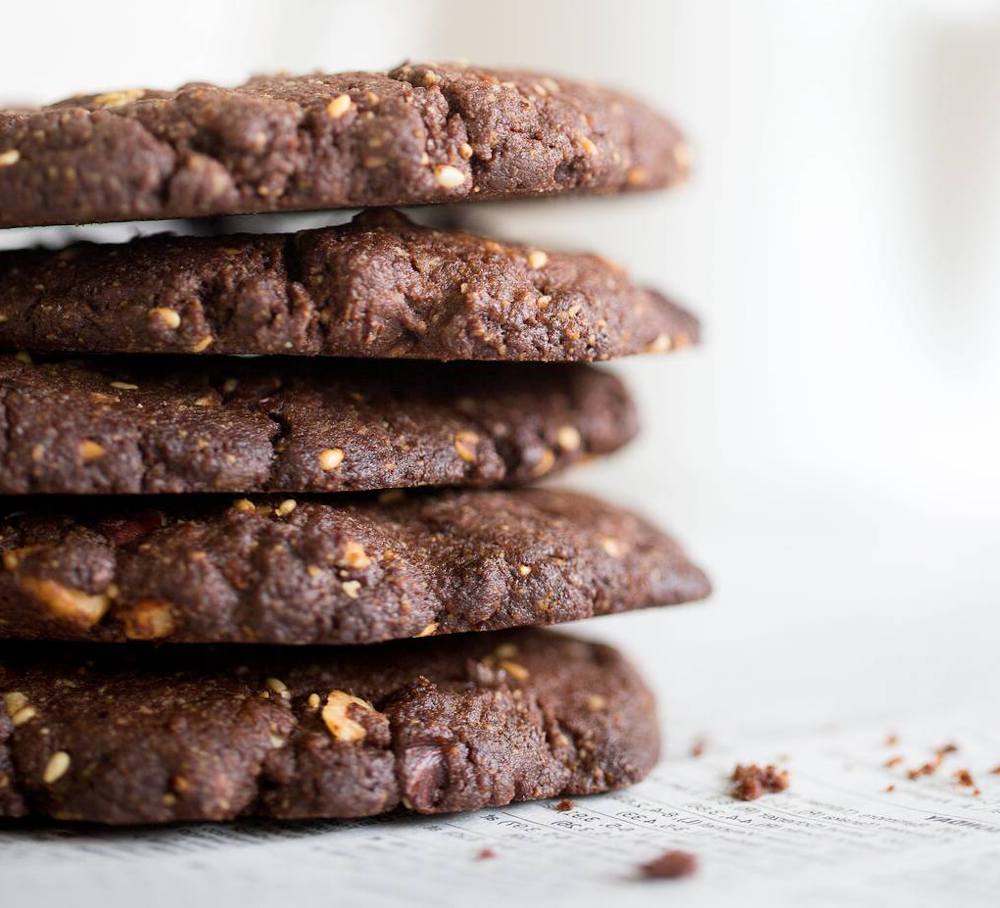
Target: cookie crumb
(893, 761)
(487, 854)
(671, 865)
(891, 740)
(564, 805)
(890, 788)
(750, 781)
(698, 747)
(964, 777)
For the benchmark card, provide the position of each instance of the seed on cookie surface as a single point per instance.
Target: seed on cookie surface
(56, 768)
(330, 459)
(448, 177)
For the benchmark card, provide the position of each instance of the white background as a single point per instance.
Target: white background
(832, 452)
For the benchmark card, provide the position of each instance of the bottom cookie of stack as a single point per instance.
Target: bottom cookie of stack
(138, 734)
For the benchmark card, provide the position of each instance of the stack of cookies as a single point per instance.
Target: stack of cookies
(270, 543)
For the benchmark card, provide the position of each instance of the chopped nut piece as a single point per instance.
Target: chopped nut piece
(330, 459)
(524, 569)
(661, 344)
(465, 150)
(671, 865)
(338, 106)
(10, 157)
(286, 507)
(90, 450)
(506, 651)
(245, 505)
(750, 781)
(23, 716)
(203, 344)
(637, 175)
(279, 687)
(588, 146)
(313, 701)
(351, 588)
(149, 619)
(124, 386)
(22, 356)
(229, 385)
(428, 631)
(612, 546)
(448, 177)
(170, 317)
(341, 726)
(516, 671)
(56, 768)
(545, 463)
(596, 703)
(569, 438)
(118, 98)
(465, 445)
(354, 556)
(537, 259)
(14, 702)
(64, 602)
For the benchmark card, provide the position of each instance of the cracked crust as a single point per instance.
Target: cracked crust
(417, 134)
(159, 425)
(360, 570)
(132, 735)
(377, 287)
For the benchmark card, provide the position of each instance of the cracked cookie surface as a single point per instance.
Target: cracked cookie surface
(379, 286)
(166, 424)
(126, 735)
(358, 570)
(417, 134)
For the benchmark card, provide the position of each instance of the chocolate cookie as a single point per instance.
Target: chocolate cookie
(377, 287)
(357, 570)
(419, 133)
(161, 424)
(140, 735)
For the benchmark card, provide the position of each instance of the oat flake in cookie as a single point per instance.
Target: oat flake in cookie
(379, 286)
(138, 735)
(167, 424)
(327, 570)
(420, 133)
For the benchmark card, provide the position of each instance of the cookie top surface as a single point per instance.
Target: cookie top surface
(350, 570)
(417, 134)
(167, 424)
(137, 735)
(379, 286)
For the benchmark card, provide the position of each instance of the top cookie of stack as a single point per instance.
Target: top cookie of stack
(418, 134)
(379, 287)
